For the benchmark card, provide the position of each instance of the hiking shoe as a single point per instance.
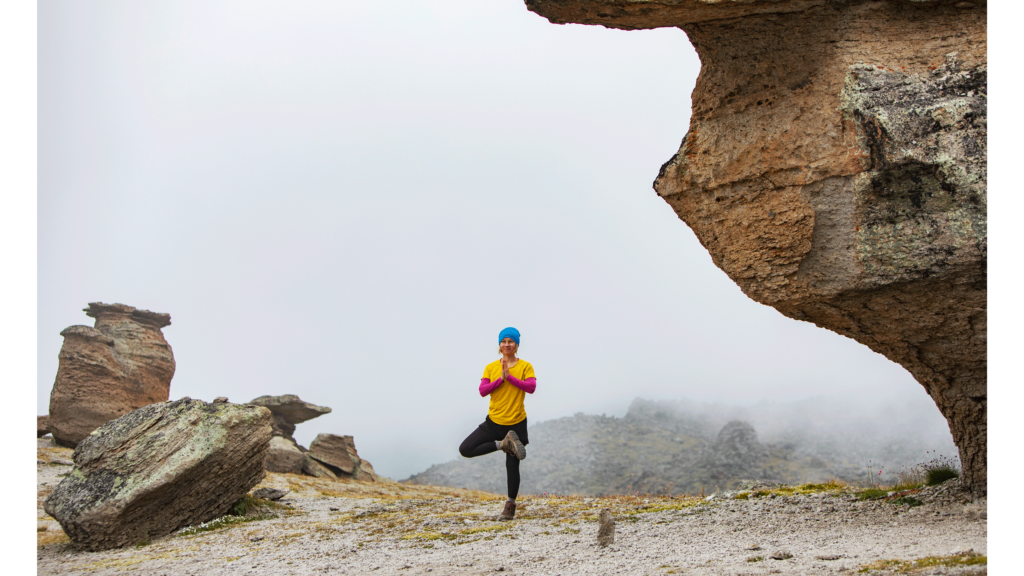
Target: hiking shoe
(512, 445)
(509, 512)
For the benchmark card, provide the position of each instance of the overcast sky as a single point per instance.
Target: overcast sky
(348, 201)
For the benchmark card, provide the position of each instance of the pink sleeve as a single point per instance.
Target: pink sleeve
(528, 385)
(486, 386)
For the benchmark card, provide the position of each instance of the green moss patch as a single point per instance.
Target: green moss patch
(926, 563)
(937, 476)
(492, 528)
(836, 487)
(872, 494)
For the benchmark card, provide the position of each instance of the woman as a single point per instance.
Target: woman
(508, 381)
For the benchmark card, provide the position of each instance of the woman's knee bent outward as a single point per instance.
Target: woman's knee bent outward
(507, 381)
(485, 439)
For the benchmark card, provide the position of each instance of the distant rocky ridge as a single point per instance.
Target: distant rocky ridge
(683, 447)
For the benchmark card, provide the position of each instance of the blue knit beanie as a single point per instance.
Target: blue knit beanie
(509, 332)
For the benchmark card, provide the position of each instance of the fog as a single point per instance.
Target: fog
(686, 447)
(348, 202)
(870, 432)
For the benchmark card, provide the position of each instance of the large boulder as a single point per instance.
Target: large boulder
(289, 410)
(158, 469)
(42, 426)
(284, 456)
(336, 451)
(105, 372)
(339, 455)
(835, 169)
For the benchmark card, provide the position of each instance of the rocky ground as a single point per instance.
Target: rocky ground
(350, 527)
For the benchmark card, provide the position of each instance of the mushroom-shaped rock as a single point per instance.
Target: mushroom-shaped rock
(835, 168)
(104, 372)
(289, 410)
(158, 469)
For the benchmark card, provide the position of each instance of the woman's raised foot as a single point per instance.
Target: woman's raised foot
(512, 445)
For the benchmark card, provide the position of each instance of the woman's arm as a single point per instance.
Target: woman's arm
(486, 386)
(528, 385)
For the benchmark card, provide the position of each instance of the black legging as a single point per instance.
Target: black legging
(481, 441)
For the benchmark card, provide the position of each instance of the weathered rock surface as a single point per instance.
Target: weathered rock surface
(158, 469)
(289, 410)
(105, 372)
(312, 467)
(339, 454)
(42, 426)
(835, 169)
(337, 451)
(365, 471)
(284, 456)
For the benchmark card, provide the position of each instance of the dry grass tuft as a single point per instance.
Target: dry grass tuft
(54, 452)
(51, 537)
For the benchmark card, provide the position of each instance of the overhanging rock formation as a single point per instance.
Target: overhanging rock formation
(835, 169)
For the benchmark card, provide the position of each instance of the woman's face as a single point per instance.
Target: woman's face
(508, 346)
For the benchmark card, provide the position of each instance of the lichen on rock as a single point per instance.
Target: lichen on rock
(158, 469)
(106, 371)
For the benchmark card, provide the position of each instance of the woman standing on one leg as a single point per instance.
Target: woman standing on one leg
(508, 381)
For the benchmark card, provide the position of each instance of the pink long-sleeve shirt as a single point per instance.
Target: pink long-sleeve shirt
(529, 385)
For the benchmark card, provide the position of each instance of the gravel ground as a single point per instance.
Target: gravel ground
(328, 527)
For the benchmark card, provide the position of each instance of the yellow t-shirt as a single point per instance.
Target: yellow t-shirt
(507, 401)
